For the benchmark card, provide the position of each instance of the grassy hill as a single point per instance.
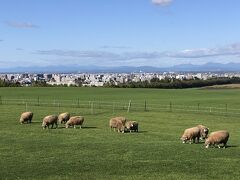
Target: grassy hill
(94, 152)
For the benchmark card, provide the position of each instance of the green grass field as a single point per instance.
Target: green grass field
(94, 152)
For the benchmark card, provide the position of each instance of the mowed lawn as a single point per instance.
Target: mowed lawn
(94, 152)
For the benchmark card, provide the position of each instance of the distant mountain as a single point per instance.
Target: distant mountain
(209, 67)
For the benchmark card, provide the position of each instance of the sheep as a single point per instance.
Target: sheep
(26, 117)
(217, 138)
(50, 120)
(117, 123)
(132, 126)
(191, 134)
(63, 117)
(203, 131)
(75, 120)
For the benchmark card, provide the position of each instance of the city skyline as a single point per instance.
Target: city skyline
(159, 33)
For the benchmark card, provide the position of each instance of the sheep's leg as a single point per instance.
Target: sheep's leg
(197, 140)
(190, 141)
(80, 126)
(74, 126)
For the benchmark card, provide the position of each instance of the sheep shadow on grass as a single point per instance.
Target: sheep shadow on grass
(139, 132)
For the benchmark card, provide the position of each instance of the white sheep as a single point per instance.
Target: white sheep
(191, 134)
(50, 120)
(63, 117)
(26, 117)
(75, 120)
(217, 138)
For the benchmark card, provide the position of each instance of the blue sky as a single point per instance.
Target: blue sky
(118, 32)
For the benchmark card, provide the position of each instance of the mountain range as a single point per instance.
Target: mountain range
(208, 67)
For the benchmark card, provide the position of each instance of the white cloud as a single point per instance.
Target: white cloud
(162, 2)
(21, 25)
(224, 54)
(229, 50)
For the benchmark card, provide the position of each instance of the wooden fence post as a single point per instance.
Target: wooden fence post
(198, 106)
(0, 100)
(92, 108)
(129, 105)
(78, 105)
(26, 107)
(38, 101)
(58, 108)
(226, 108)
(145, 105)
(113, 110)
(170, 106)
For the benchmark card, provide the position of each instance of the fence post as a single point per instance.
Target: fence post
(210, 109)
(129, 105)
(78, 103)
(198, 106)
(0, 100)
(38, 101)
(170, 106)
(92, 108)
(58, 108)
(226, 108)
(145, 105)
(113, 107)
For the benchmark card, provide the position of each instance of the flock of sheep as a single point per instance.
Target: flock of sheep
(194, 134)
(120, 124)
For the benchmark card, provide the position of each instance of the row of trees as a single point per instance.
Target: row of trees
(175, 83)
(166, 83)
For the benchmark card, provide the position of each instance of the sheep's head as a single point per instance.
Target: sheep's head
(184, 139)
(207, 143)
(205, 133)
(44, 125)
(129, 125)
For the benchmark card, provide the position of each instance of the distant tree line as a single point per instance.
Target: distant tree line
(169, 83)
(4, 83)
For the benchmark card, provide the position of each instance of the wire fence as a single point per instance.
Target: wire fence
(94, 107)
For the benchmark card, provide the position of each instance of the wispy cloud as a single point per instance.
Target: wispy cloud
(115, 47)
(19, 49)
(229, 50)
(142, 57)
(1, 40)
(124, 56)
(162, 2)
(21, 25)
(79, 54)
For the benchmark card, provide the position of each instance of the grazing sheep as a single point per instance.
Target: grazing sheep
(132, 126)
(63, 117)
(75, 120)
(118, 123)
(191, 134)
(203, 131)
(217, 138)
(50, 120)
(26, 117)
